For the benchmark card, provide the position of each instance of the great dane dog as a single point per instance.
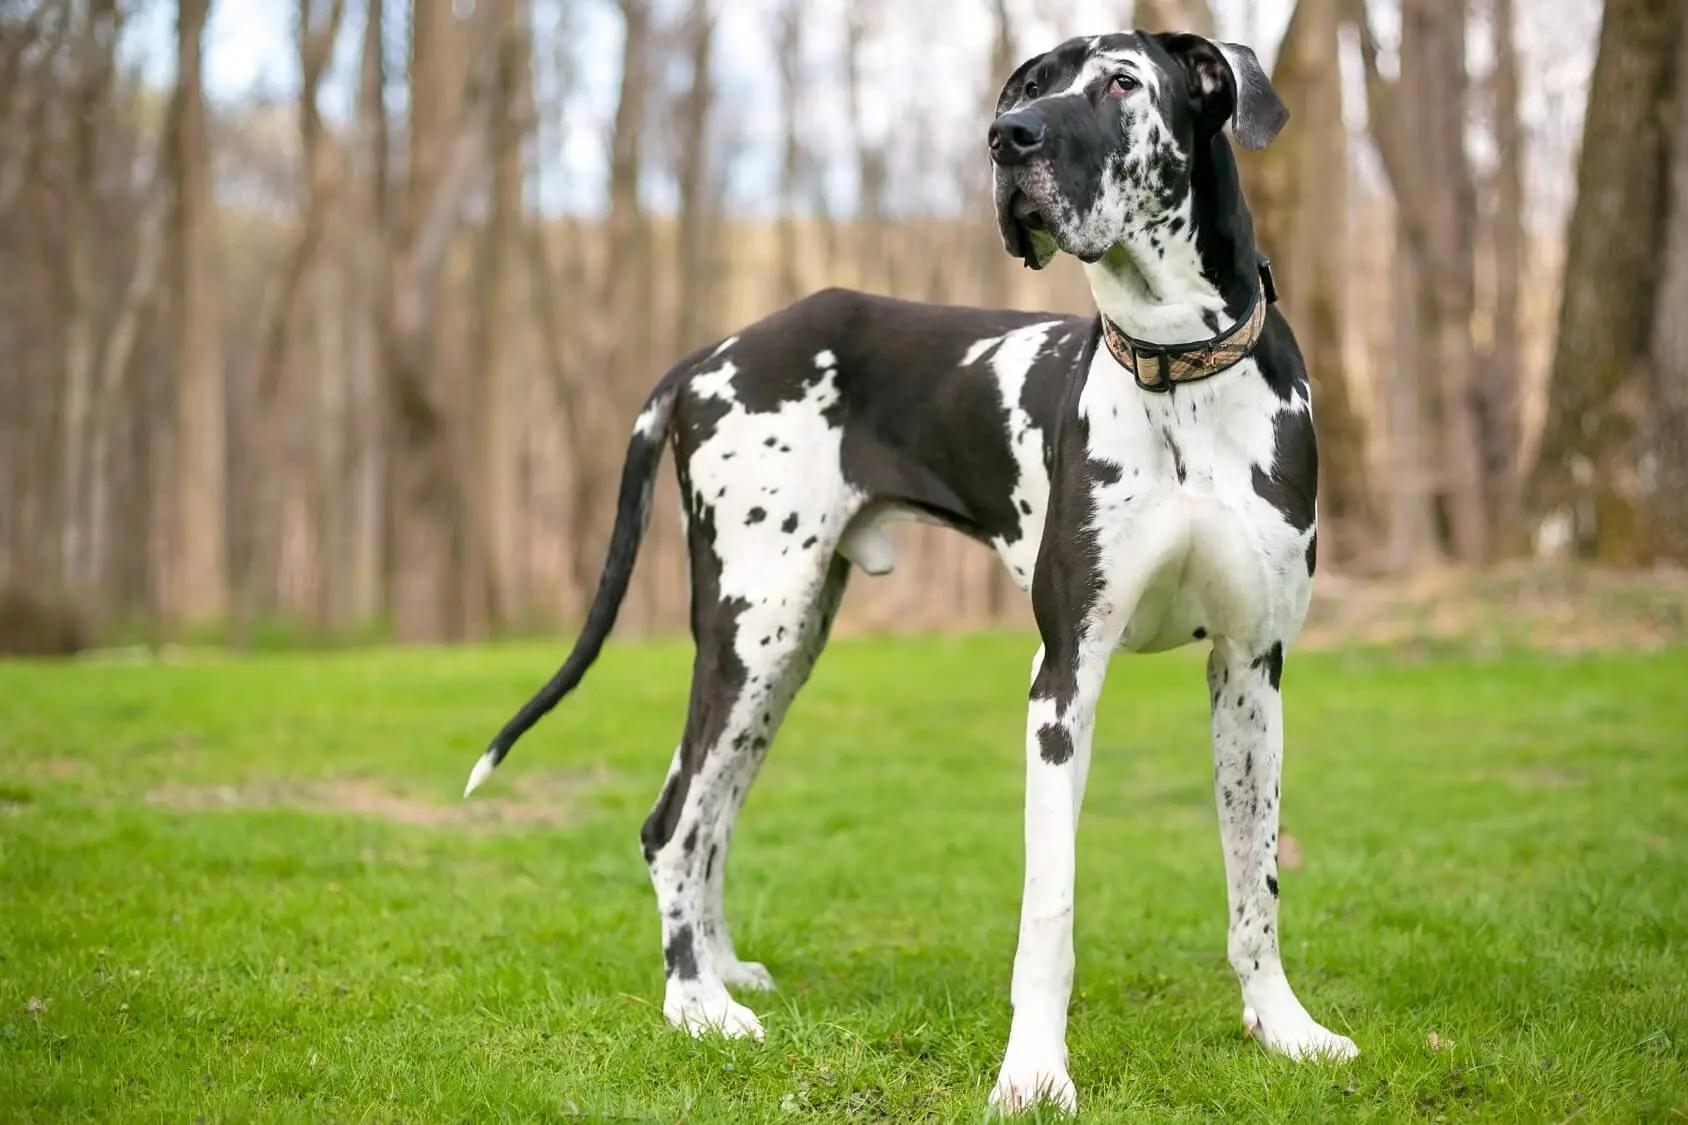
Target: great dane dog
(1147, 475)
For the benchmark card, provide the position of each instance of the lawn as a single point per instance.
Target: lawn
(243, 888)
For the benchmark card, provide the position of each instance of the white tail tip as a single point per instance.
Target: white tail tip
(482, 771)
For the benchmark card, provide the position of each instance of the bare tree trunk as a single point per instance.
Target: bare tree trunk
(789, 52)
(574, 340)
(1669, 508)
(96, 43)
(368, 280)
(1499, 391)
(447, 150)
(872, 267)
(1419, 124)
(1173, 15)
(198, 580)
(625, 291)
(330, 492)
(697, 288)
(500, 323)
(259, 533)
(1301, 208)
(1410, 540)
(1433, 38)
(992, 264)
(26, 102)
(139, 296)
(1586, 464)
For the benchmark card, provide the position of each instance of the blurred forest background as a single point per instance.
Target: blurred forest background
(354, 346)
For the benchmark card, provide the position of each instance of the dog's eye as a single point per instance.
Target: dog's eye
(1031, 89)
(1122, 84)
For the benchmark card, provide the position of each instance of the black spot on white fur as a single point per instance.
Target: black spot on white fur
(1056, 743)
(679, 957)
(1272, 661)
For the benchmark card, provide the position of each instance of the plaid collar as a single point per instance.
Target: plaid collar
(1159, 367)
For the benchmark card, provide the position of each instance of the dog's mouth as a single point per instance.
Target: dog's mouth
(1026, 213)
(1027, 232)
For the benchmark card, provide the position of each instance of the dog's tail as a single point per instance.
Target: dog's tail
(632, 516)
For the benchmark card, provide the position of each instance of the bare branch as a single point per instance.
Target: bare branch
(316, 43)
(1380, 92)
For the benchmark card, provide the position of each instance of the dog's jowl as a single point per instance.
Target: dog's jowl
(1147, 475)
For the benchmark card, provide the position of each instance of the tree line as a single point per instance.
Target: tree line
(267, 364)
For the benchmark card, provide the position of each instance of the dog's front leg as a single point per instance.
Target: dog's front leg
(1248, 750)
(1065, 687)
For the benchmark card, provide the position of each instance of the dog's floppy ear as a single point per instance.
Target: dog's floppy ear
(1012, 88)
(1227, 83)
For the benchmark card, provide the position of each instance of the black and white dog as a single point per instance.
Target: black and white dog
(1147, 475)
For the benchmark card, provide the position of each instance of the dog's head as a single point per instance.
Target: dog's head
(1101, 134)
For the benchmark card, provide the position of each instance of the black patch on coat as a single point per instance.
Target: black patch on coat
(1293, 482)
(718, 675)
(919, 429)
(1068, 578)
(1312, 553)
(1272, 885)
(1272, 660)
(756, 515)
(679, 957)
(1055, 743)
(790, 524)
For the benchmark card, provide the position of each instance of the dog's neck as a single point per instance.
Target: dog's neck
(1187, 274)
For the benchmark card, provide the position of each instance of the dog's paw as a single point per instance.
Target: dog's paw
(748, 974)
(713, 1015)
(1297, 1035)
(1022, 1085)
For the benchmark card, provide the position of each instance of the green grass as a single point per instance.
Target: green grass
(242, 889)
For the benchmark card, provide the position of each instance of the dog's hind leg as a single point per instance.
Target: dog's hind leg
(817, 624)
(752, 656)
(1248, 751)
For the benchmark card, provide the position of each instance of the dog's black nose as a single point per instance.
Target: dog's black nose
(1017, 137)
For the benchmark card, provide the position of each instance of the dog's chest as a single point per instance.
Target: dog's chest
(1193, 534)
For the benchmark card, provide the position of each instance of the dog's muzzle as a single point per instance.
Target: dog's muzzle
(1019, 143)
